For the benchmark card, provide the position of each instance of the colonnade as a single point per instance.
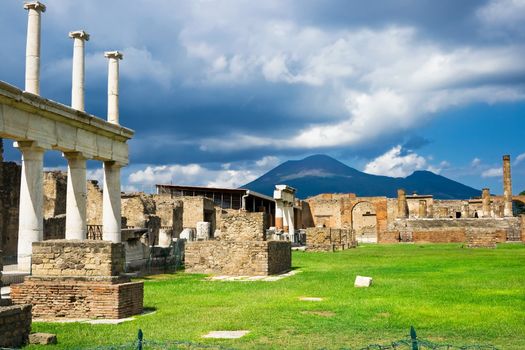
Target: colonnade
(31, 187)
(284, 210)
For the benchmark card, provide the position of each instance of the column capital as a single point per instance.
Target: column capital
(79, 34)
(31, 146)
(114, 54)
(75, 156)
(35, 5)
(114, 164)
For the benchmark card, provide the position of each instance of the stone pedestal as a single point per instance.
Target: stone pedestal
(241, 249)
(79, 279)
(203, 230)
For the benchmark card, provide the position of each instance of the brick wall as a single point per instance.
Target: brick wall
(77, 258)
(250, 258)
(15, 325)
(79, 279)
(484, 238)
(77, 298)
(329, 239)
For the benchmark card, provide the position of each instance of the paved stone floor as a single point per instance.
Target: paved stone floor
(226, 334)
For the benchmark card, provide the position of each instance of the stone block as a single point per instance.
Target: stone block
(362, 281)
(203, 230)
(42, 338)
(188, 234)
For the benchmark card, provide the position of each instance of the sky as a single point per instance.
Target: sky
(221, 91)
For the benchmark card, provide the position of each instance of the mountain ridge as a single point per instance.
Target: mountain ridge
(320, 173)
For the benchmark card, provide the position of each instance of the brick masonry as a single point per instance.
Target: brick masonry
(240, 249)
(79, 279)
(76, 298)
(15, 325)
(484, 238)
(329, 240)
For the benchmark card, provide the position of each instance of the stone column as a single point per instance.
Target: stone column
(76, 196)
(30, 222)
(291, 223)
(286, 217)
(278, 216)
(77, 85)
(507, 186)
(485, 200)
(113, 85)
(402, 207)
(422, 208)
(111, 216)
(33, 46)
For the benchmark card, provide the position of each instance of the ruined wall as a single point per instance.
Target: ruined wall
(249, 258)
(55, 193)
(448, 230)
(74, 298)
(329, 239)
(170, 212)
(9, 201)
(240, 249)
(243, 226)
(198, 209)
(484, 237)
(55, 227)
(79, 279)
(15, 325)
(94, 203)
(77, 258)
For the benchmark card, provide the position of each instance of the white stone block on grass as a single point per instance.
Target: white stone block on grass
(226, 334)
(362, 282)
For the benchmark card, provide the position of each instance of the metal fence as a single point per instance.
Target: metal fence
(411, 342)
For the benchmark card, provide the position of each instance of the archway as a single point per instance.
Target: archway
(364, 222)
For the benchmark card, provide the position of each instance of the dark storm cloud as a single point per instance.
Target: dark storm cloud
(349, 78)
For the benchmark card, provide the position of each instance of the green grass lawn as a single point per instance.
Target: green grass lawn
(449, 293)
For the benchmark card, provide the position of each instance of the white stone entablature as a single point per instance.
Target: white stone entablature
(28, 117)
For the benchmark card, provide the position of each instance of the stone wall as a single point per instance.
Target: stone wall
(15, 325)
(329, 239)
(243, 226)
(241, 249)
(79, 279)
(449, 230)
(75, 258)
(55, 193)
(94, 203)
(55, 227)
(249, 258)
(9, 202)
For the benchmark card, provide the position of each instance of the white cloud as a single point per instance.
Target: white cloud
(492, 172)
(519, 158)
(395, 163)
(503, 14)
(475, 162)
(227, 175)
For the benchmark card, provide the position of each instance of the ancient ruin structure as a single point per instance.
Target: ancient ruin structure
(481, 221)
(325, 239)
(240, 250)
(79, 279)
(38, 125)
(284, 197)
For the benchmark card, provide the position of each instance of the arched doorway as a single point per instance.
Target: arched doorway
(364, 222)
